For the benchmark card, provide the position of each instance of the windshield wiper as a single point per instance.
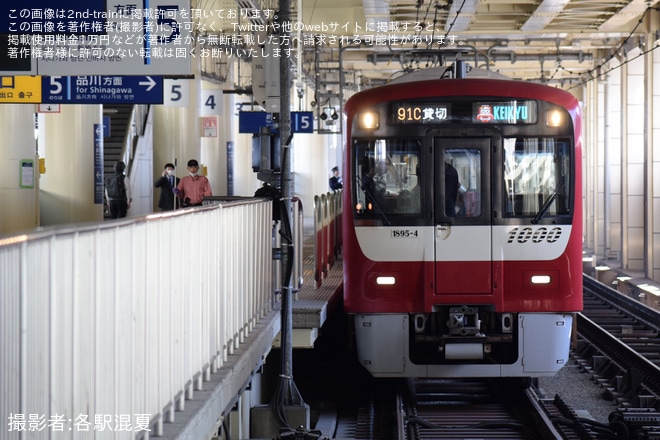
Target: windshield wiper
(546, 205)
(379, 210)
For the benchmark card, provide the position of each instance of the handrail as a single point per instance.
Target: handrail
(43, 232)
(327, 233)
(135, 129)
(130, 316)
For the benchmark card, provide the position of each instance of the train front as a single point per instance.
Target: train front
(462, 228)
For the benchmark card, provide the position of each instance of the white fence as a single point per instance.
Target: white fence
(108, 327)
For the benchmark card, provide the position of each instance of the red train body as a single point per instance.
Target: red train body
(462, 227)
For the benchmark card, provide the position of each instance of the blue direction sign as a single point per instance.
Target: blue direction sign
(102, 89)
(251, 122)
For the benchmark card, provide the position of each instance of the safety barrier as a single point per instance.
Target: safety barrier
(119, 322)
(327, 232)
(297, 226)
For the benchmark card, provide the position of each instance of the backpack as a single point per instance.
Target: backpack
(115, 187)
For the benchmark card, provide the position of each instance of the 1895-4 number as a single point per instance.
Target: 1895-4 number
(404, 233)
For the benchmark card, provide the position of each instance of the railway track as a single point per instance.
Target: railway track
(430, 409)
(620, 346)
(455, 409)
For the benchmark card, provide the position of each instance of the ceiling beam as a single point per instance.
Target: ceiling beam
(631, 11)
(461, 15)
(544, 14)
(376, 11)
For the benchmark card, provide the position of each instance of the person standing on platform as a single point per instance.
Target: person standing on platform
(117, 192)
(335, 180)
(167, 182)
(193, 188)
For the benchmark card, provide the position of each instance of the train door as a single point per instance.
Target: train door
(462, 201)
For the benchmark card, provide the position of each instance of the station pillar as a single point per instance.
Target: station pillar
(66, 141)
(19, 179)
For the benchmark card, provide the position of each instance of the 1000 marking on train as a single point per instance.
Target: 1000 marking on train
(538, 235)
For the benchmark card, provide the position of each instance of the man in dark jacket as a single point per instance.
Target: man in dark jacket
(335, 181)
(167, 182)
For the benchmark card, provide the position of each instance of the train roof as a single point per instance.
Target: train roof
(440, 72)
(435, 82)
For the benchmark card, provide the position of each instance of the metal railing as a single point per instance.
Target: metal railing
(119, 322)
(134, 130)
(328, 210)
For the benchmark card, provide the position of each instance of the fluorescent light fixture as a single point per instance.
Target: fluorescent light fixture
(546, 11)
(461, 15)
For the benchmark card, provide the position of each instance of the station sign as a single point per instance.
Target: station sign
(102, 89)
(251, 122)
(302, 122)
(20, 89)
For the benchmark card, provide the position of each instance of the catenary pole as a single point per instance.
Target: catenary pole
(287, 394)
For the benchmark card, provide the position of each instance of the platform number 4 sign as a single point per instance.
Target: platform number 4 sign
(211, 102)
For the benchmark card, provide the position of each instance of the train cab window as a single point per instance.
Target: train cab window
(386, 178)
(537, 177)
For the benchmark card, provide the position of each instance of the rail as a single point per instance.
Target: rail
(124, 320)
(328, 210)
(134, 130)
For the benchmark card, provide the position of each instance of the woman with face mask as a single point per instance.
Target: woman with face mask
(193, 188)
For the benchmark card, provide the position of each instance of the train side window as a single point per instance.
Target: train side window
(462, 182)
(387, 178)
(536, 174)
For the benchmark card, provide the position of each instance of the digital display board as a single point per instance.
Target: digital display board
(512, 112)
(420, 113)
(464, 111)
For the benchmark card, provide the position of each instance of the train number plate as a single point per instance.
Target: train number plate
(405, 233)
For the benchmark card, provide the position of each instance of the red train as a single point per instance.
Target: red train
(462, 225)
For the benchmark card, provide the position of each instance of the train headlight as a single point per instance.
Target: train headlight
(385, 281)
(554, 118)
(368, 120)
(541, 279)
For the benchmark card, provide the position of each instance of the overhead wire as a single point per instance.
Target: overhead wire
(615, 52)
(417, 37)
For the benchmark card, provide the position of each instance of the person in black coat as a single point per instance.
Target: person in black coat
(167, 182)
(335, 181)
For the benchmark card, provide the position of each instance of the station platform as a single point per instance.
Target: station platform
(312, 306)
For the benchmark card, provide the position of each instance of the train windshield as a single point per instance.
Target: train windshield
(537, 177)
(387, 173)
